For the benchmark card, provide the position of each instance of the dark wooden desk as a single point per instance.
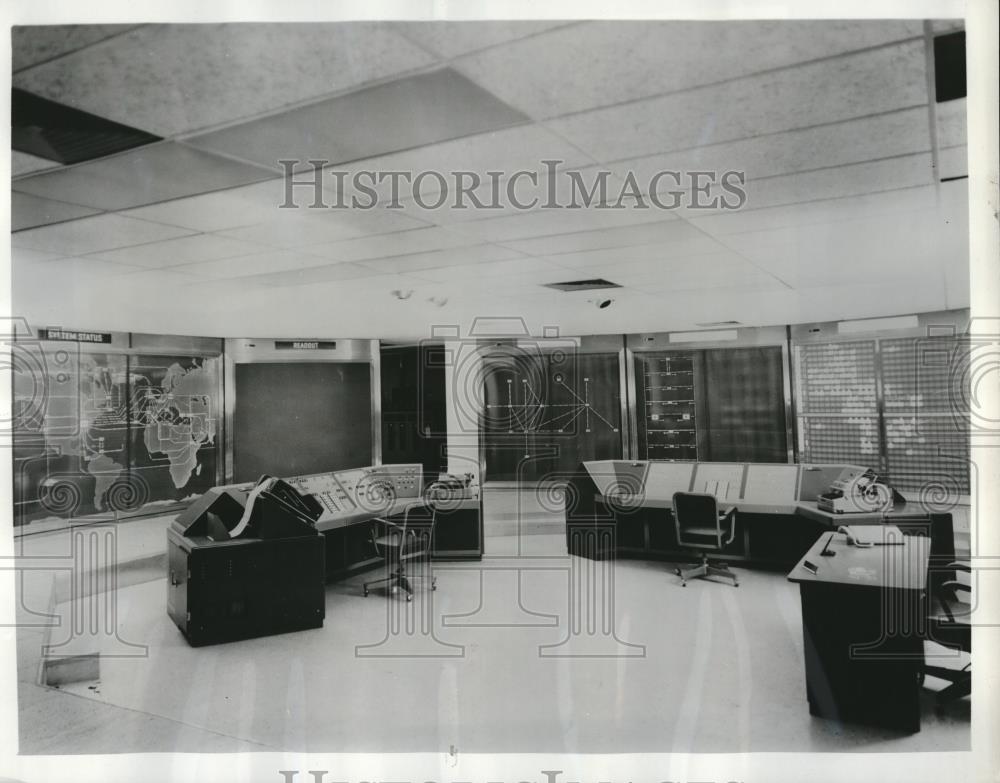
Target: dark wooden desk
(863, 613)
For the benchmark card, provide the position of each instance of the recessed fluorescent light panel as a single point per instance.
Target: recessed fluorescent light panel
(594, 284)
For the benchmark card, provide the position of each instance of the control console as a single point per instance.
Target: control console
(371, 490)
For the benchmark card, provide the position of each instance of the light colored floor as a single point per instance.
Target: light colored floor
(707, 668)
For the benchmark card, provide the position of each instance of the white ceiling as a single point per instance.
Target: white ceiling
(846, 215)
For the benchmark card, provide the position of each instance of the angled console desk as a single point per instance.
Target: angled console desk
(352, 499)
(249, 560)
(623, 508)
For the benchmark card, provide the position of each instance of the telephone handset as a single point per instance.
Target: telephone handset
(864, 536)
(853, 537)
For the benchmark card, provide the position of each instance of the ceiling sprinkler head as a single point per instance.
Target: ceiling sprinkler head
(399, 294)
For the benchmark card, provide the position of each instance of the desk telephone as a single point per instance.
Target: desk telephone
(451, 487)
(856, 491)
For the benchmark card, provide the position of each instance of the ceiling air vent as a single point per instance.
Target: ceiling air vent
(708, 324)
(582, 285)
(56, 132)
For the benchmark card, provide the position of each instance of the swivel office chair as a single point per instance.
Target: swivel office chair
(948, 625)
(701, 526)
(401, 543)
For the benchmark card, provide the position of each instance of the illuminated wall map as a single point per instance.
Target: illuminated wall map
(105, 431)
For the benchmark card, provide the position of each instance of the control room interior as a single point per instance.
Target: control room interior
(544, 380)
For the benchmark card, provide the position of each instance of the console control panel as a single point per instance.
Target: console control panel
(373, 490)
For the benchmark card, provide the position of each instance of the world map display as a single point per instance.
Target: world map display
(105, 432)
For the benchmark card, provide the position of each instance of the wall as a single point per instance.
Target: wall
(148, 419)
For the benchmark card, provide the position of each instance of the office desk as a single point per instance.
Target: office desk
(629, 503)
(863, 613)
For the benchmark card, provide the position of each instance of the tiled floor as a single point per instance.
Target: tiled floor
(486, 663)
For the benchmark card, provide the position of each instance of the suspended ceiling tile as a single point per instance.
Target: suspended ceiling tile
(856, 85)
(30, 211)
(518, 193)
(835, 303)
(842, 181)
(853, 141)
(184, 250)
(952, 125)
(452, 39)
(275, 260)
(625, 271)
(724, 281)
(26, 256)
(892, 174)
(723, 269)
(692, 243)
(519, 271)
(144, 78)
(382, 286)
(546, 222)
(309, 276)
(588, 262)
(585, 66)
(225, 209)
(870, 245)
(830, 211)
(23, 163)
(152, 279)
(510, 150)
(145, 175)
(408, 112)
(665, 233)
(33, 44)
(396, 244)
(304, 227)
(91, 234)
(63, 272)
(850, 259)
(418, 262)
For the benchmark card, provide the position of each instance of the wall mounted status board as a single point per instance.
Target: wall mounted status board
(298, 418)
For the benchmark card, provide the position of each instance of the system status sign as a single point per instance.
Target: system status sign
(74, 336)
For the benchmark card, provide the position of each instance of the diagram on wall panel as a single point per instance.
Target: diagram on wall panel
(529, 412)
